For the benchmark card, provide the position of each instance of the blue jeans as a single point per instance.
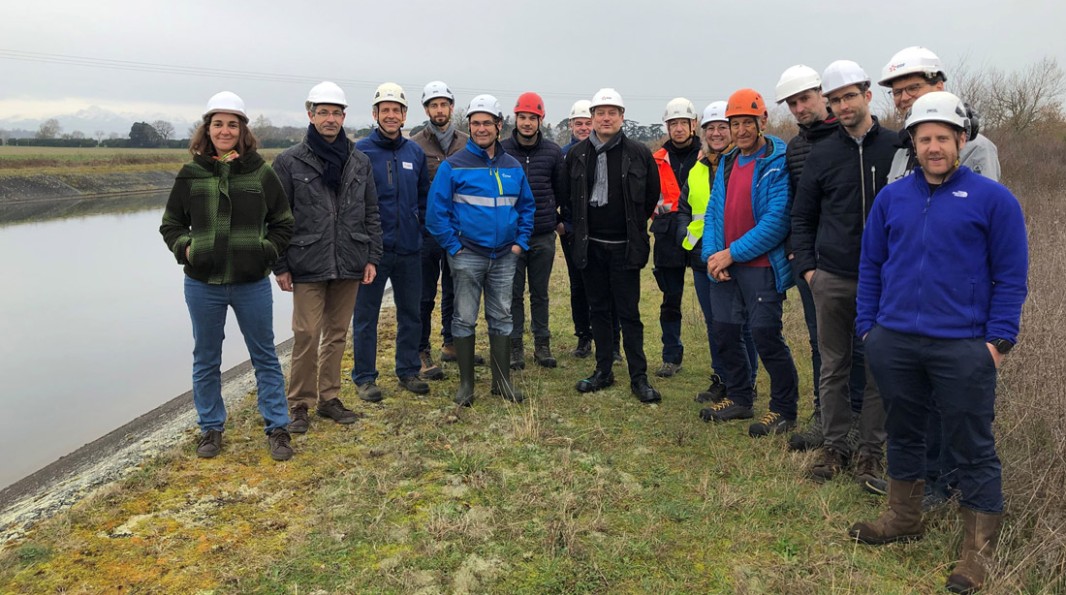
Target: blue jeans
(703, 293)
(405, 272)
(473, 275)
(956, 378)
(253, 304)
(751, 297)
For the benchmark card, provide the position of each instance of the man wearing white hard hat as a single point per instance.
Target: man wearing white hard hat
(841, 177)
(580, 123)
(481, 213)
(336, 247)
(942, 282)
(613, 186)
(800, 88)
(401, 179)
(692, 207)
(439, 139)
(911, 73)
(675, 158)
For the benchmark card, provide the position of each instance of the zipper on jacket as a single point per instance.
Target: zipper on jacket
(862, 186)
(388, 168)
(921, 265)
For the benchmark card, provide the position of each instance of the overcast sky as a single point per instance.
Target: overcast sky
(169, 57)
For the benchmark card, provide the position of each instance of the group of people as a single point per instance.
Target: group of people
(910, 259)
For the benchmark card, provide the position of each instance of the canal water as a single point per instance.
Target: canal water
(94, 329)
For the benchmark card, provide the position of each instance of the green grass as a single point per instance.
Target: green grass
(37, 161)
(565, 493)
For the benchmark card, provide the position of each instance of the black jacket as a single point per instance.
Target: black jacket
(640, 189)
(336, 234)
(543, 164)
(800, 146)
(834, 197)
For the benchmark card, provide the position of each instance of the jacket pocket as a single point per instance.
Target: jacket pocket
(305, 255)
(353, 253)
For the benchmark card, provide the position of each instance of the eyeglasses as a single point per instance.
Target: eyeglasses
(845, 98)
(338, 114)
(910, 90)
(482, 124)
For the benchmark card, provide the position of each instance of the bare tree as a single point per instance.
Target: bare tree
(164, 128)
(1014, 100)
(50, 128)
(99, 135)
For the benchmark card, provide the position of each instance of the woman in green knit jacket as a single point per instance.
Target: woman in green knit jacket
(226, 221)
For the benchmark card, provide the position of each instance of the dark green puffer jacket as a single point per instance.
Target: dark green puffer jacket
(235, 216)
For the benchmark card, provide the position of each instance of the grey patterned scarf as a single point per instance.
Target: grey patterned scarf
(444, 137)
(599, 187)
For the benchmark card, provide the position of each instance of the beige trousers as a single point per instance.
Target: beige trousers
(321, 317)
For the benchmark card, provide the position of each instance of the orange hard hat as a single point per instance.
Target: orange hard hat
(746, 102)
(529, 103)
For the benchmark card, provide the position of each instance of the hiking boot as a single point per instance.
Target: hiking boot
(811, 437)
(430, 370)
(980, 532)
(335, 410)
(369, 392)
(447, 354)
(830, 462)
(415, 385)
(598, 381)
(868, 468)
(464, 351)
(278, 442)
(770, 424)
(878, 487)
(542, 352)
(518, 355)
(726, 410)
(210, 444)
(299, 423)
(667, 370)
(714, 393)
(499, 346)
(901, 522)
(644, 391)
(583, 349)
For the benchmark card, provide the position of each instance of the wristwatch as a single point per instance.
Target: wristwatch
(1002, 345)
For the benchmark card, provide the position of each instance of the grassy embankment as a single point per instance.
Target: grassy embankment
(62, 161)
(564, 493)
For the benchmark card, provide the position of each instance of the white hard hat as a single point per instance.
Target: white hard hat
(938, 106)
(485, 104)
(842, 73)
(912, 60)
(607, 96)
(714, 112)
(679, 108)
(797, 79)
(227, 102)
(326, 92)
(435, 89)
(580, 109)
(390, 92)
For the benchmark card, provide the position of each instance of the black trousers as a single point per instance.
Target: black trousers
(608, 283)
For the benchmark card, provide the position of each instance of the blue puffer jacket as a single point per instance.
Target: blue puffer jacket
(402, 180)
(543, 164)
(769, 204)
(480, 203)
(949, 263)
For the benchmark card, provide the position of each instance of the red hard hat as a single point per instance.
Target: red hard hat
(529, 103)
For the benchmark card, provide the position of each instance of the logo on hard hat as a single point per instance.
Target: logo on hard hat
(754, 105)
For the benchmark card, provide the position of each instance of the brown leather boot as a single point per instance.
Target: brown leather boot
(901, 522)
(980, 533)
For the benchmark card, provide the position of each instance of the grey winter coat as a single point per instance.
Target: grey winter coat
(336, 233)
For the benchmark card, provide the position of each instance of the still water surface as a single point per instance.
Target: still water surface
(94, 332)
